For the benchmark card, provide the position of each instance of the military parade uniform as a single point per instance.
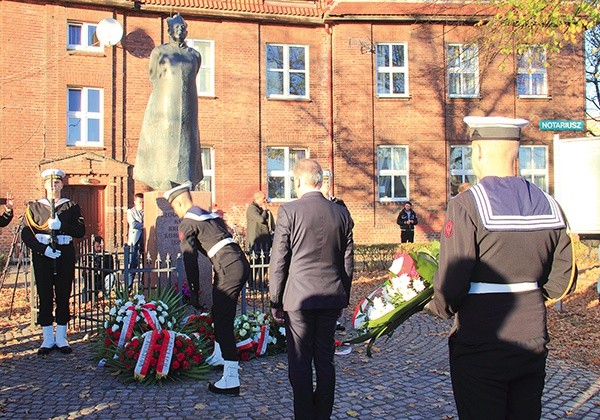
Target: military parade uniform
(37, 236)
(6, 217)
(504, 251)
(206, 232)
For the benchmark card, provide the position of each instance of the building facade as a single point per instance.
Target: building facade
(376, 92)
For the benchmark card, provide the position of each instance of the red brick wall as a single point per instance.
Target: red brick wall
(240, 123)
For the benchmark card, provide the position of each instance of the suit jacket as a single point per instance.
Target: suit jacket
(312, 259)
(135, 219)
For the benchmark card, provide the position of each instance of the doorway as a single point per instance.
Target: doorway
(91, 201)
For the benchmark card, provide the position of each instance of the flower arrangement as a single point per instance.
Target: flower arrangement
(405, 293)
(256, 333)
(143, 341)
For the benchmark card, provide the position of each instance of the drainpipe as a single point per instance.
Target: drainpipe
(329, 31)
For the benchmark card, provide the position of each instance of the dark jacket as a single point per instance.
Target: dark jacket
(312, 259)
(403, 217)
(6, 217)
(259, 225)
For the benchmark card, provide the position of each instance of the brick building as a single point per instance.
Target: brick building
(374, 91)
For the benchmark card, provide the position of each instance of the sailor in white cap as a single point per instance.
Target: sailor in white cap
(504, 251)
(49, 226)
(205, 232)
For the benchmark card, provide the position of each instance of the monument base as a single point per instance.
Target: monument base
(162, 237)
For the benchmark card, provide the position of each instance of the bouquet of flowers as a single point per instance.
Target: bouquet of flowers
(256, 333)
(406, 292)
(144, 341)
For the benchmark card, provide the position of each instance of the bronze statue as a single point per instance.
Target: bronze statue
(169, 148)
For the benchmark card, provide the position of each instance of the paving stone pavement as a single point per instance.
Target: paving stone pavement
(408, 378)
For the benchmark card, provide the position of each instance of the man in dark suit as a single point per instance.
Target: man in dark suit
(311, 268)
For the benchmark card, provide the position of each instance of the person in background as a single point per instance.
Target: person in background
(53, 257)
(7, 215)
(504, 251)
(100, 277)
(259, 225)
(135, 236)
(407, 219)
(312, 264)
(205, 232)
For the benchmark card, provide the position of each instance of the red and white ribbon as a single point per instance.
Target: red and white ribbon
(245, 344)
(165, 354)
(359, 311)
(149, 314)
(262, 339)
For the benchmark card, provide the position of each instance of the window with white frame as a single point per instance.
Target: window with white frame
(461, 168)
(533, 165)
(208, 172)
(205, 80)
(392, 70)
(463, 70)
(392, 173)
(280, 167)
(85, 116)
(82, 37)
(532, 78)
(287, 71)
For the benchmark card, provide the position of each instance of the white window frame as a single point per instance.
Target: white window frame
(286, 71)
(209, 172)
(467, 174)
(526, 68)
(466, 70)
(392, 173)
(85, 116)
(286, 173)
(391, 70)
(207, 65)
(86, 43)
(532, 174)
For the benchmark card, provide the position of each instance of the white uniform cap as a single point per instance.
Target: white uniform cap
(170, 195)
(52, 174)
(495, 128)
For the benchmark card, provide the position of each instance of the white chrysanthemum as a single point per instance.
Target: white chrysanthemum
(119, 319)
(105, 324)
(418, 285)
(170, 324)
(118, 302)
(161, 319)
(242, 332)
(379, 308)
(246, 326)
(112, 312)
(408, 294)
(115, 327)
(282, 330)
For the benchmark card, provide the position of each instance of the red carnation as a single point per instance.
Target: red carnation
(189, 351)
(245, 356)
(178, 343)
(186, 364)
(175, 365)
(107, 342)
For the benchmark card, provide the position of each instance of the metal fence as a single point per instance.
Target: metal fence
(101, 277)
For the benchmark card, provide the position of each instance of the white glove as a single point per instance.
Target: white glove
(50, 253)
(54, 224)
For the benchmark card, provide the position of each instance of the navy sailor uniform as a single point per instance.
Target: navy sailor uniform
(36, 236)
(201, 231)
(504, 251)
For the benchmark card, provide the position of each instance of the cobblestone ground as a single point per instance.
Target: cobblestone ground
(407, 378)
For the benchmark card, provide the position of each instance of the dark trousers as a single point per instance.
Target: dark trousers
(227, 285)
(310, 339)
(497, 382)
(407, 236)
(51, 288)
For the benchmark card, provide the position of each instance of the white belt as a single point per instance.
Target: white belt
(216, 247)
(479, 288)
(45, 239)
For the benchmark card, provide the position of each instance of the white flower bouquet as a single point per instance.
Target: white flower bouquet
(405, 293)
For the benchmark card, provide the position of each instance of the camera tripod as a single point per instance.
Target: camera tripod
(19, 251)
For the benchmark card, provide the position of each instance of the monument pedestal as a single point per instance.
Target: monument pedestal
(162, 237)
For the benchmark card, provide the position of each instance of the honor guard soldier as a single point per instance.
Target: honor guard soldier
(206, 232)
(50, 224)
(504, 251)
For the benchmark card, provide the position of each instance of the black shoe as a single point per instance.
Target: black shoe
(65, 349)
(44, 351)
(224, 391)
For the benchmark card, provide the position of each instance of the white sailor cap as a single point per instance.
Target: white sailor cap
(53, 174)
(171, 194)
(495, 128)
